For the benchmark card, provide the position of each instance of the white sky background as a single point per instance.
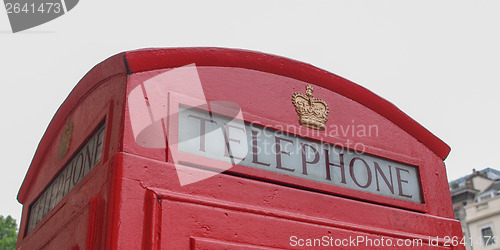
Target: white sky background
(438, 61)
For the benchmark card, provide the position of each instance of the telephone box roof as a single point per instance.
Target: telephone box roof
(157, 58)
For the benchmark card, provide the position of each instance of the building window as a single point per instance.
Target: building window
(485, 197)
(482, 206)
(456, 211)
(487, 235)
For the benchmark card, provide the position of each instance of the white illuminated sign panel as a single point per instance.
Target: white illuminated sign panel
(217, 137)
(78, 167)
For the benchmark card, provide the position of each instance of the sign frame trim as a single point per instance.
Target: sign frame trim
(176, 99)
(102, 119)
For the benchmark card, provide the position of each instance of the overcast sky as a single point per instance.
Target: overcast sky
(438, 61)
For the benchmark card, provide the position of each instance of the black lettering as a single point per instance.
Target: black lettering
(227, 138)
(67, 178)
(340, 165)
(353, 176)
(44, 205)
(255, 158)
(304, 157)
(60, 186)
(279, 152)
(401, 181)
(53, 194)
(87, 160)
(77, 173)
(203, 130)
(379, 170)
(98, 147)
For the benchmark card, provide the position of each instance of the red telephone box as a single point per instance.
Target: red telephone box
(211, 148)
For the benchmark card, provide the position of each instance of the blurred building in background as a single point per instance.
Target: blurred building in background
(476, 203)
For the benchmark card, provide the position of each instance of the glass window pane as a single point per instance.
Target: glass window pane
(487, 234)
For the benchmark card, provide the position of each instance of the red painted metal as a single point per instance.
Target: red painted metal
(132, 198)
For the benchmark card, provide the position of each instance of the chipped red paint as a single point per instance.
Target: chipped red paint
(132, 198)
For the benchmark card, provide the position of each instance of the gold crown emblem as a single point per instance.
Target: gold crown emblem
(313, 112)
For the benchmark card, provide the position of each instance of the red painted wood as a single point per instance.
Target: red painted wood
(265, 107)
(106, 100)
(149, 59)
(111, 67)
(132, 198)
(259, 213)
